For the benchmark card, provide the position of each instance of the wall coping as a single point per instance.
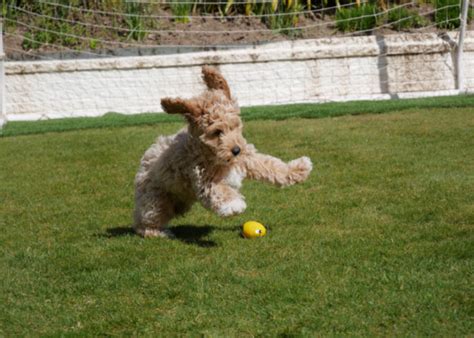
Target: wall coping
(335, 47)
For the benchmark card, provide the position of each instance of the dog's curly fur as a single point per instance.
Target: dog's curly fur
(204, 162)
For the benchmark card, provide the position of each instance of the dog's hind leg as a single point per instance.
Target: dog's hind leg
(152, 213)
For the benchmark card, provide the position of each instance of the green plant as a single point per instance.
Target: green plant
(8, 11)
(181, 10)
(51, 31)
(403, 18)
(29, 41)
(93, 43)
(48, 32)
(447, 14)
(136, 27)
(4, 8)
(360, 18)
(70, 34)
(209, 7)
(285, 16)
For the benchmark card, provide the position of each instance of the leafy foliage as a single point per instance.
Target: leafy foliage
(181, 9)
(359, 18)
(403, 18)
(82, 24)
(447, 14)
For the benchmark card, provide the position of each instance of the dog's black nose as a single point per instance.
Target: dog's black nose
(236, 150)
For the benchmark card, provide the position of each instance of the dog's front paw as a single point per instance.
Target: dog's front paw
(299, 169)
(233, 207)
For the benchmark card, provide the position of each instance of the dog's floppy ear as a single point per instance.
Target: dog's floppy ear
(215, 80)
(188, 108)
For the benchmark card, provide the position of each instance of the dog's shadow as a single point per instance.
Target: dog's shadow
(189, 234)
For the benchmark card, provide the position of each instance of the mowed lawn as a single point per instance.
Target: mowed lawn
(379, 240)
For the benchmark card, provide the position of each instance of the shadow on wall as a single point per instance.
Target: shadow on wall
(454, 51)
(382, 66)
(390, 84)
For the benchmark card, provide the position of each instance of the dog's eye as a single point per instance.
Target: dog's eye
(217, 133)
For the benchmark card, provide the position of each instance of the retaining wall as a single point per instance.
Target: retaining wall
(2, 80)
(335, 69)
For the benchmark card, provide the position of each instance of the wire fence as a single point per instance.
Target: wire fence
(61, 29)
(265, 30)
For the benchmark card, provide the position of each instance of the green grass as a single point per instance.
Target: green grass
(379, 241)
(280, 112)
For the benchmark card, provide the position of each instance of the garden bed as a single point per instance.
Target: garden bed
(108, 28)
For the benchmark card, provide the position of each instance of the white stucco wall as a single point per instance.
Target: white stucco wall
(336, 69)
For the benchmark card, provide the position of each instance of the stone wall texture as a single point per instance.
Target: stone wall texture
(335, 69)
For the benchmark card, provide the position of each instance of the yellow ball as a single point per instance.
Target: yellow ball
(253, 229)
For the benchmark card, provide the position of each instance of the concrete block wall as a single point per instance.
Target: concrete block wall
(2, 80)
(336, 69)
(469, 70)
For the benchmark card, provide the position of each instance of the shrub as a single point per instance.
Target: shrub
(361, 18)
(135, 22)
(403, 18)
(29, 42)
(283, 20)
(181, 9)
(447, 14)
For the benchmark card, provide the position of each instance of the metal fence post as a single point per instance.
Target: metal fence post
(3, 113)
(460, 48)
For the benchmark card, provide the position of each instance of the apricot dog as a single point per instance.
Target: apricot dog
(205, 162)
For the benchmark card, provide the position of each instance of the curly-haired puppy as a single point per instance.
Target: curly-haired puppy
(204, 162)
